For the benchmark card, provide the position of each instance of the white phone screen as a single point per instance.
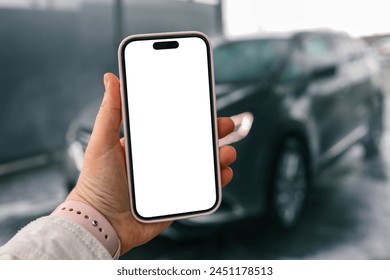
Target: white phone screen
(173, 160)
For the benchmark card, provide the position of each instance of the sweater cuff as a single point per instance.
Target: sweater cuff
(53, 237)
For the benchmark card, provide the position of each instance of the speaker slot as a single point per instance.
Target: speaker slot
(166, 45)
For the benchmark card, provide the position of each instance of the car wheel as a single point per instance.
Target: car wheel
(375, 129)
(289, 183)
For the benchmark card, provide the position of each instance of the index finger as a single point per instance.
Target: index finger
(225, 126)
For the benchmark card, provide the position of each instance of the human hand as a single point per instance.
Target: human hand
(103, 180)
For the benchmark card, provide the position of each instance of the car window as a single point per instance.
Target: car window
(319, 51)
(294, 70)
(247, 61)
(317, 46)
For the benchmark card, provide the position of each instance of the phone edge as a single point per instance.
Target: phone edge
(218, 201)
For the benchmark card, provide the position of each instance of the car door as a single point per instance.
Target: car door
(360, 85)
(328, 90)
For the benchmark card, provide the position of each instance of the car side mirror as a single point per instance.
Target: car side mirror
(324, 72)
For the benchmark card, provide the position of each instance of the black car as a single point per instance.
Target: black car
(382, 49)
(298, 101)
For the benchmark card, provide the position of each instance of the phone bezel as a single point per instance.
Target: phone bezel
(126, 127)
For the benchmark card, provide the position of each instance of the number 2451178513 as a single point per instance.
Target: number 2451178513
(241, 270)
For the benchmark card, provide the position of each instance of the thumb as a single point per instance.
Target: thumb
(107, 125)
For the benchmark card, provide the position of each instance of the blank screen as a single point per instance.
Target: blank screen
(170, 128)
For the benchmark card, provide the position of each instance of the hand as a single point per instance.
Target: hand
(103, 180)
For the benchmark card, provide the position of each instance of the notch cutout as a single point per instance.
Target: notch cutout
(165, 45)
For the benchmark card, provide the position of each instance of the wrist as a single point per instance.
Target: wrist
(93, 221)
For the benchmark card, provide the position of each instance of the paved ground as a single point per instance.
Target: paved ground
(28, 195)
(347, 217)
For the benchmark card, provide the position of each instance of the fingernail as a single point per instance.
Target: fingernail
(105, 80)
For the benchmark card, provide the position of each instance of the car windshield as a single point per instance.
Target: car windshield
(248, 61)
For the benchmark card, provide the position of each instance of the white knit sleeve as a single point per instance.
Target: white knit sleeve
(54, 238)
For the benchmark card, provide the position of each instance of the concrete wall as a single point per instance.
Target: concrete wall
(52, 62)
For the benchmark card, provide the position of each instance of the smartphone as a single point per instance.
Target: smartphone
(170, 128)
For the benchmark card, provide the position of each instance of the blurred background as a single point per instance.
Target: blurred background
(306, 83)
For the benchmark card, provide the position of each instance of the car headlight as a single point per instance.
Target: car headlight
(76, 152)
(78, 146)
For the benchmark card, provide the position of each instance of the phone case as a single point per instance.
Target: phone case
(170, 35)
